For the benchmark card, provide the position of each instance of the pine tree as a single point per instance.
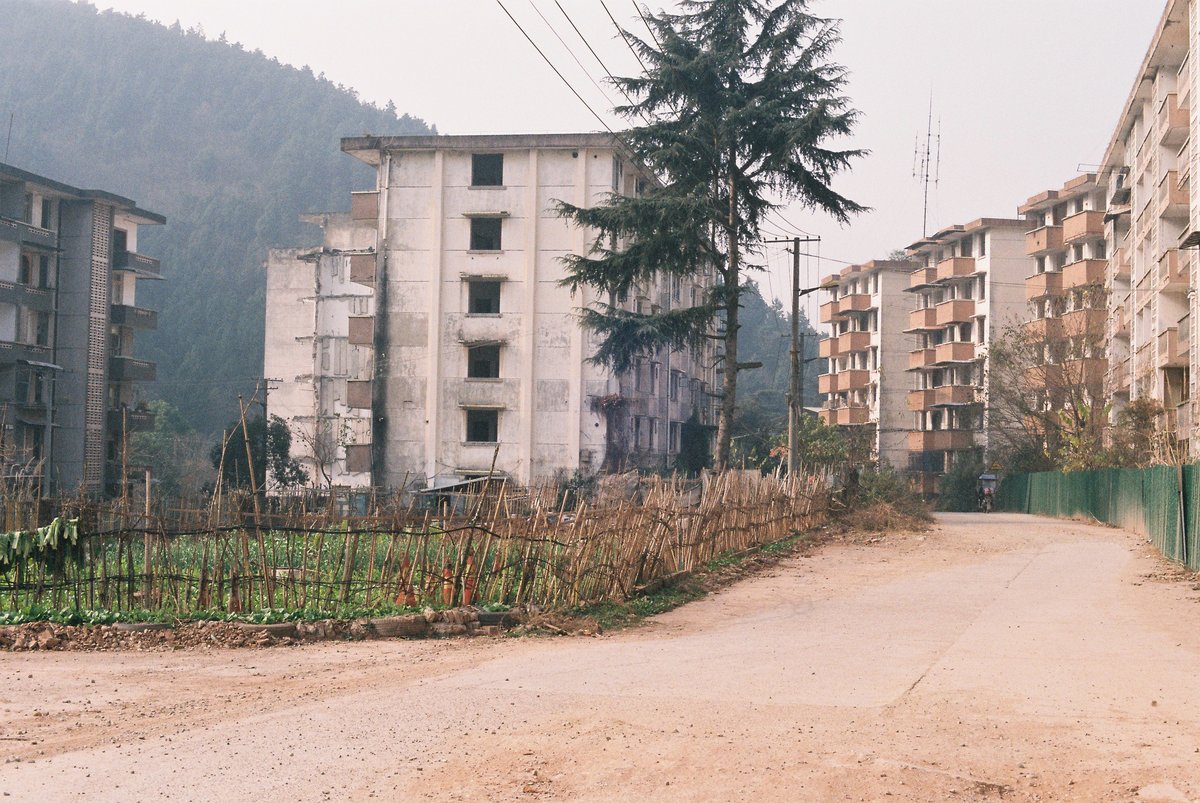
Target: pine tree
(736, 106)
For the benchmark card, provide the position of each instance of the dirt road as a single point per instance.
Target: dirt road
(996, 657)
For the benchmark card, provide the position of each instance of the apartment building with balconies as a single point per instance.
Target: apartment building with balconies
(1068, 302)
(967, 288)
(69, 270)
(1154, 230)
(868, 353)
(464, 355)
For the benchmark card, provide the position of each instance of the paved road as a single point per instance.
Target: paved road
(996, 657)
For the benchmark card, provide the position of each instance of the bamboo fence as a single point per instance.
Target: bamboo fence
(333, 553)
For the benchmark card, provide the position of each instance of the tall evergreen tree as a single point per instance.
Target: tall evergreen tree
(737, 105)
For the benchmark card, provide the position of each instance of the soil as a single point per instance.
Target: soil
(995, 657)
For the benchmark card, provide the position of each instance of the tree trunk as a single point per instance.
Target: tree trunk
(730, 363)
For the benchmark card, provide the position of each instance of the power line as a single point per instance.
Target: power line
(599, 61)
(646, 22)
(554, 31)
(624, 37)
(557, 72)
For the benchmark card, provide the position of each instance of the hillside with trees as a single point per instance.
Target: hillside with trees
(229, 144)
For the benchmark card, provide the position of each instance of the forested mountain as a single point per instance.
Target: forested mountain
(230, 145)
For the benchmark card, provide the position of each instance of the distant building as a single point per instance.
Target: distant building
(968, 287)
(868, 351)
(69, 267)
(430, 336)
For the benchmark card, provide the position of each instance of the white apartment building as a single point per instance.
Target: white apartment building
(968, 288)
(1154, 229)
(868, 352)
(457, 347)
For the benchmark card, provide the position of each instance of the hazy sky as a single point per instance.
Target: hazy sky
(1026, 90)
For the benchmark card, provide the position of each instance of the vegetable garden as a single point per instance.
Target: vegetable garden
(488, 543)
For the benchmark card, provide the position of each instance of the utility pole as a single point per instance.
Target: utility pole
(795, 396)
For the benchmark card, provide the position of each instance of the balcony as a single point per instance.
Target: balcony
(1121, 266)
(1087, 225)
(136, 317)
(1169, 355)
(362, 269)
(1172, 274)
(1041, 285)
(11, 351)
(920, 400)
(1086, 323)
(921, 358)
(854, 341)
(858, 302)
(358, 394)
(127, 369)
(953, 396)
(954, 353)
(364, 206)
(828, 347)
(922, 277)
(16, 231)
(922, 320)
(1083, 272)
(1047, 329)
(959, 310)
(941, 440)
(830, 311)
(846, 416)
(1044, 240)
(362, 330)
(24, 295)
(843, 381)
(148, 267)
(1120, 377)
(129, 419)
(1120, 323)
(1173, 121)
(956, 268)
(1173, 201)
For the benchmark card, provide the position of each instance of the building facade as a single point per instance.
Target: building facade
(69, 268)
(463, 351)
(1154, 229)
(867, 382)
(968, 288)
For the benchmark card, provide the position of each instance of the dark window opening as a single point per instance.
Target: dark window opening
(26, 274)
(483, 362)
(483, 298)
(483, 426)
(45, 213)
(487, 170)
(42, 329)
(120, 241)
(485, 233)
(43, 272)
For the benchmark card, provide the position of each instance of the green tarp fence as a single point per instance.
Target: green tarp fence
(1161, 502)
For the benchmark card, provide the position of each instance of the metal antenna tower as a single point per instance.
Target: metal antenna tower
(927, 163)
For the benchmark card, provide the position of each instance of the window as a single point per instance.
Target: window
(487, 170)
(28, 217)
(45, 213)
(26, 275)
(43, 271)
(637, 375)
(654, 373)
(483, 362)
(120, 241)
(675, 378)
(485, 233)
(483, 298)
(653, 433)
(637, 432)
(482, 426)
(676, 436)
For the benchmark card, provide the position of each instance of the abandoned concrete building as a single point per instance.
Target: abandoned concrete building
(428, 339)
(69, 267)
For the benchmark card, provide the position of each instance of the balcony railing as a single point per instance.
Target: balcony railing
(130, 419)
(921, 358)
(137, 263)
(128, 369)
(1086, 323)
(953, 396)
(1045, 328)
(1083, 272)
(830, 311)
(1041, 285)
(954, 352)
(923, 319)
(11, 351)
(922, 277)
(856, 302)
(362, 269)
(846, 416)
(1172, 198)
(1044, 240)
(920, 400)
(1172, 274)
(854, 341)
(1087, 225)
(959, 310)
(843, 381)
(24, 295)
(364, 206)
(1173, 120)
(17, 231)
(137, 317)
(940, 440)
(955, 268)
(1168, 349)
